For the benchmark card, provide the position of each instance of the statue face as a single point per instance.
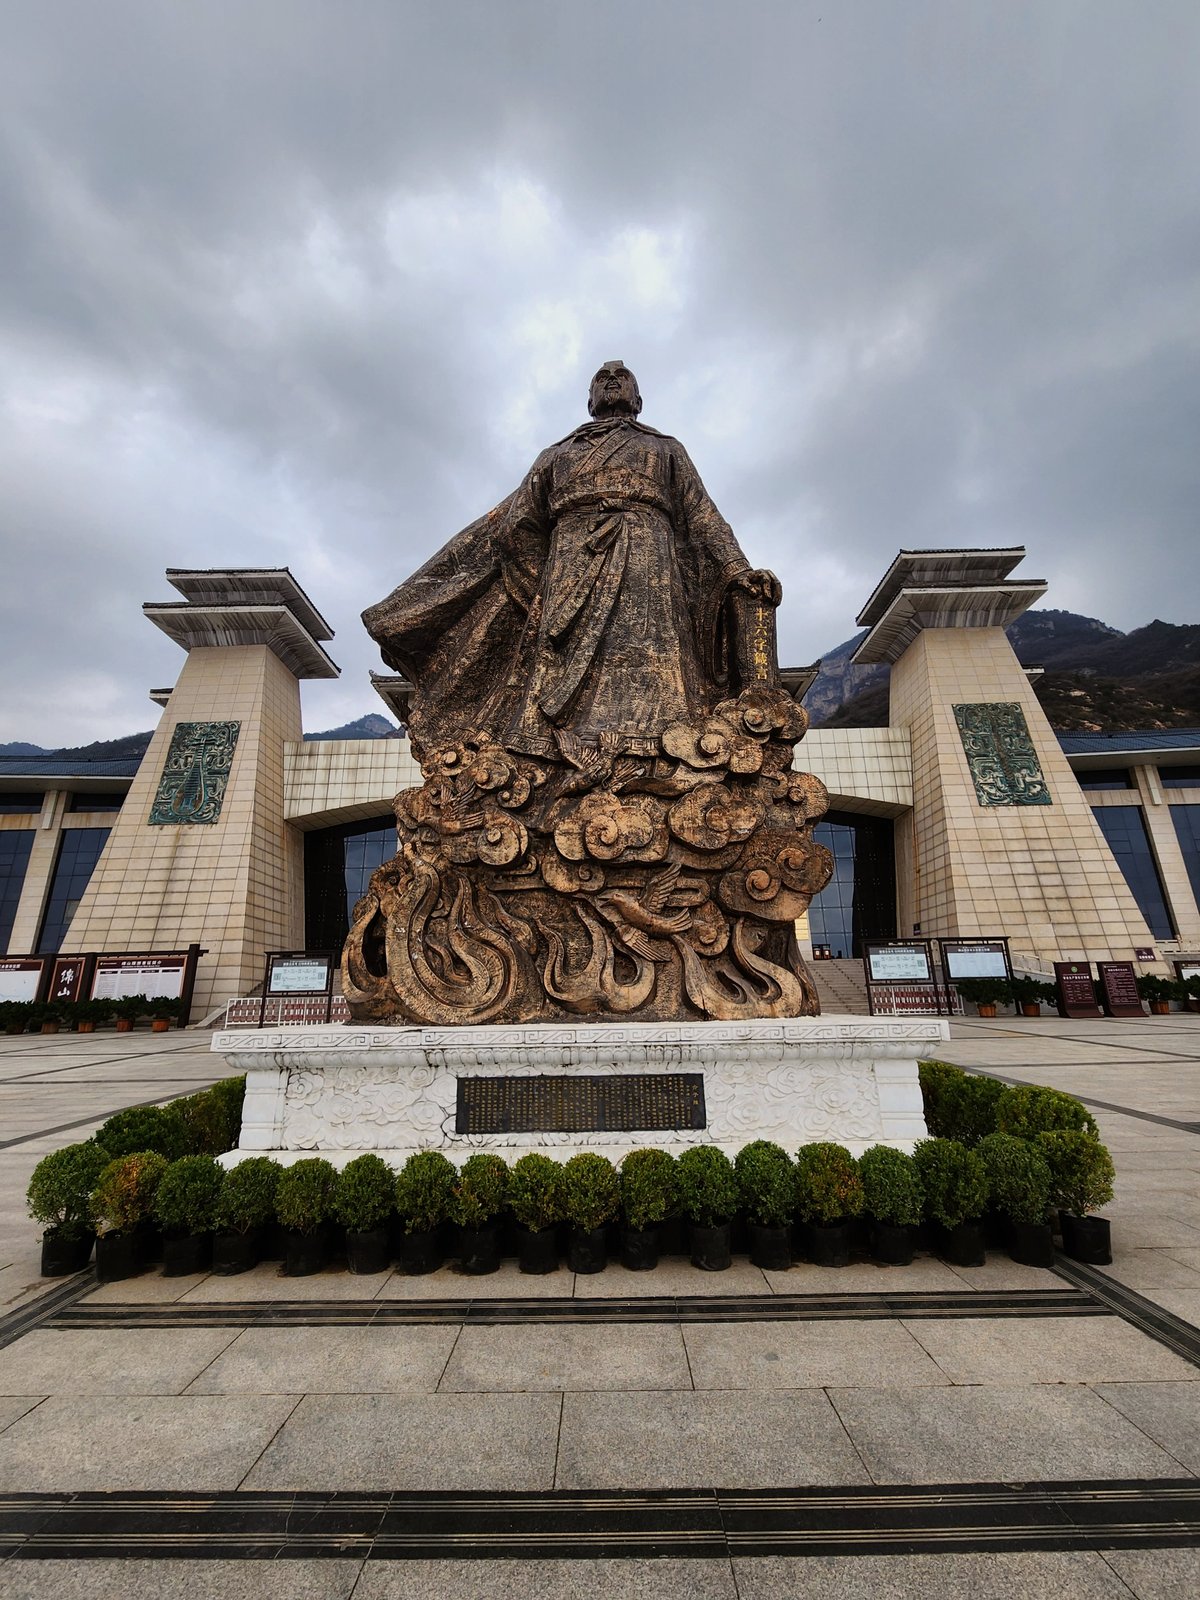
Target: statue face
(614, 392)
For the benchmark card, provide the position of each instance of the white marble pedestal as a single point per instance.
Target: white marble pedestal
(337, 1091)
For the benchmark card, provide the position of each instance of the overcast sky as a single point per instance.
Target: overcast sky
(288, 283)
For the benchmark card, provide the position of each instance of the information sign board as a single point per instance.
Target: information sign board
(21, 977)
(1118, 989)
(1076, 990)
(899, 963)
(69, 980)
(299, 973)
(975, 958)
(157, 977)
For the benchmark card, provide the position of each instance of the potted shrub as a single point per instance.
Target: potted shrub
(591, 1199)
(158, 1128)
(86, 1014)
(43, 1016)
(766, 1188)
(185, 1209)
(304, 1206)
(122, 1205)
(127, 1009)
(536, 1199)
(14, 1015)
(363, 1202)
(1030, 994)
(477, 1200)
(956, 1195)
(1019, 1188)
(424, 1191)
(1158, 992)
(1081, 1181)
(985, 993)
(649, 1195)
(245, 1209)
(1027, 1109)
(893, 1200)
(708, 1198)
(1190, 988)
(829, 1195)
(163, 1011)
(59, 1197)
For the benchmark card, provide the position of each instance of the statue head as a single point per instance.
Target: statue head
(614, 392)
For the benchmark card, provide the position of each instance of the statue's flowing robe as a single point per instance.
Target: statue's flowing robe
(590, 601)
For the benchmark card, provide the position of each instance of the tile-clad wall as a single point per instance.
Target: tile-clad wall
(345, 780)
(1043, 875)
(235, 886)
(864, 769)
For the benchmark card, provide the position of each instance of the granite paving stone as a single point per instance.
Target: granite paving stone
(190, 1442)
(1151, 1269)
(805, 1355)
(267, 1283)
(443, 1441)
(632, 1579)
(178, 1580)
(149, 1288)
(1184, 1303)
(335, 1360)
(1004, 1433)
(567, 1356)
(926, 1275)
(1158, 1574)
(14, 1406)
(1046, 1350)
(1168, 1413)
(1038, 1575)
(109, 1360)
(673, 1276)
(509, 1283)
(998, 1275)
(725, 1438)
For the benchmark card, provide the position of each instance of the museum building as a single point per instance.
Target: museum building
(967, 816)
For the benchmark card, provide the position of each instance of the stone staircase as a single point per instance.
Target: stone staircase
(841, 986)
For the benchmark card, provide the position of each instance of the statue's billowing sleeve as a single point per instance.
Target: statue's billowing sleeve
(711, 558)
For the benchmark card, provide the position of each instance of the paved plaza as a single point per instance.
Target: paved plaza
(1002, 1431)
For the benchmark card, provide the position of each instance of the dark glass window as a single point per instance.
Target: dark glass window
(108, 800)
(13, 801)
(77, 857)
(1187, 830)
(338, 863)
(860, 902)
(1125, 829)
(1107, 778)
(1179, 777)
(14, 858)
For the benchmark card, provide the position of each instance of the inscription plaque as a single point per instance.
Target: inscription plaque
(563, 1104)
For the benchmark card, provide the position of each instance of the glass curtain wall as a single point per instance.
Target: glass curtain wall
(860, 902)
(77, 857)
(1187, 831)
(1125, 829)
(14, 859)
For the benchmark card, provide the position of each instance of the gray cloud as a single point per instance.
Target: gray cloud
(292, 283)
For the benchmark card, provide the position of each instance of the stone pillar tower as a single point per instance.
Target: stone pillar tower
(1001, 839)
(200, 852)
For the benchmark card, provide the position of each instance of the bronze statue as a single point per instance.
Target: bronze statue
(609, 823)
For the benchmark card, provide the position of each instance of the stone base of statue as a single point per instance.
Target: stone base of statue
(338, 1091)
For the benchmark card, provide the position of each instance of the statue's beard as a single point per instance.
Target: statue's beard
(616, 405)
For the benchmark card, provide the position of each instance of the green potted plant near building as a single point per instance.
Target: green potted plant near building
(1031, 994)
(164, 1009)
(1158, 992)
(478, 1198)
(88, 1014)
(59, 1197)
(185, 1205)
(649, 1195)
(304, 1206)
(363, 1202)
(829, 1195)
(985, 993)
(158, 1128)
(1027, 1109)
(1018, 1180)
(14, 1015)
(956, 1196)
(122, 1208)
(537, 1202)
(708, 1198)
(591, 1199)
(424, 1196)
(767, 1190)
(127, 1009)
(44, 1016)
(245, 1209)
(1081, 1181)
(893, 1200)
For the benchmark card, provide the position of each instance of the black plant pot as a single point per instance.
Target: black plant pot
(770, 1247)
(1031, 1243)
(305, 1253)
(421, 1252)
(640, 1249)
(829, 1244)
(64, 1253)
(587, 1249)
(672, 1237)
(996, 1229)
(272, 1241)
(149, 1243)
(118, 1256)
(478, 1251)
(892, 1244)
(368, 1252)
(187, 1253)
(235, 1252)
(1087, 1239)
(537, 1251)
(711, 1248)
(962, 1246)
